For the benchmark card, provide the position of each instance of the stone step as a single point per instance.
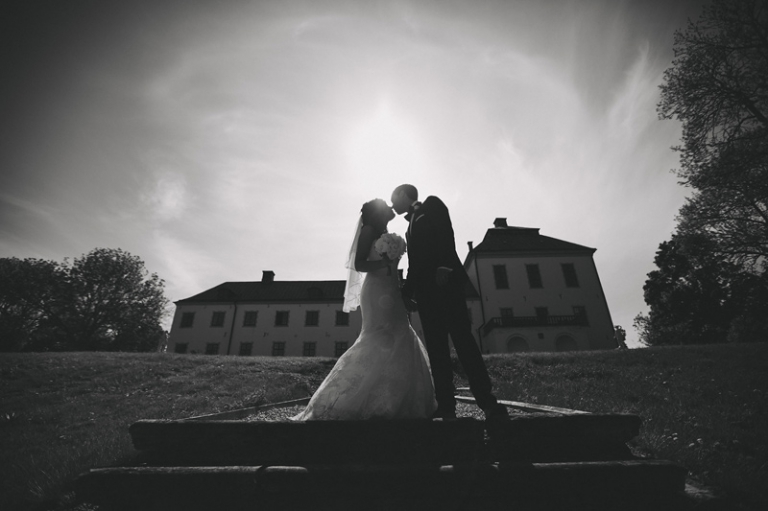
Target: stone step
(553, 438)
(625, 485)
(312, 442)
(534, 438)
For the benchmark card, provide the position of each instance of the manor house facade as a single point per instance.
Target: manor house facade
(527, 292)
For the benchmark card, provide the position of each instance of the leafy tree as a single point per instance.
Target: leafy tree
(642, 323)
(104, 300)
(717, 87)
(748, 307)
(28, 295)
(688, 294)
(697, 297)
(731, 219)
(115, 303)
(620, 335)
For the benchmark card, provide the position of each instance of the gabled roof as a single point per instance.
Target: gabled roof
(302, 291)
(312, 291)
(524, 239)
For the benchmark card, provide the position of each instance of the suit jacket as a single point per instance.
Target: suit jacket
(431, 244)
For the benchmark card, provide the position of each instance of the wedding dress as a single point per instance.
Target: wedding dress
(385, 374)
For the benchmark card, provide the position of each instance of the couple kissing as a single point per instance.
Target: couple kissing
(389, 372)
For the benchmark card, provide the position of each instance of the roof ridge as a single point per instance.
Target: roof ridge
(525, 239)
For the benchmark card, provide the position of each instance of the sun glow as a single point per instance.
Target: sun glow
(384, 151)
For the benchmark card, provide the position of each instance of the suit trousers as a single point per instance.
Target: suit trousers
(443, 312)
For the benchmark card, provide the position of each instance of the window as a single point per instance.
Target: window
(581, 312)
(506, 312)
(500, 276)
(342, 318)
(278, 349)
(534, 276)
(312, 318)
(212, 348)
(187, 319)
(250, 318)
(569, 273)
(542, 313)
(309, 349)
(217, 318)
(181, 347)
(341, 347)
(281, 318)
(246, 348)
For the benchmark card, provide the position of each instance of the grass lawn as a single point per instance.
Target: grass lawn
(703, 407)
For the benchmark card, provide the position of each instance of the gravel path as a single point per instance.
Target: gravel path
(284, 414)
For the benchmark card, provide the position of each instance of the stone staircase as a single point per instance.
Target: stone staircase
(544, 459)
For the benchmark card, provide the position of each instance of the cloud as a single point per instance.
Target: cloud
(168, 200)
(633, 108)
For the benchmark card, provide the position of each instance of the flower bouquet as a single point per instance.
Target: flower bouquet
(390, 245)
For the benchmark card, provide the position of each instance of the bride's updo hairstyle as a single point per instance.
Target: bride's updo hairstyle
(377, 213)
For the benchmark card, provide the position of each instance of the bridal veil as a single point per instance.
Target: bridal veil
(355, 278)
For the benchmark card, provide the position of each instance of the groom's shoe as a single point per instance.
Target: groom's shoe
(445, 415)
(497, 413)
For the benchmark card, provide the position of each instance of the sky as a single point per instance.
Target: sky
(216, 140)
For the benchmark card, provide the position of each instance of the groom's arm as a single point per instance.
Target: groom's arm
(442, 243)
(432, 243)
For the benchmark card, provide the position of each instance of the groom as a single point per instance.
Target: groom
(435, 284)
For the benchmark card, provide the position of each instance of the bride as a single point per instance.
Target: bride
(385, 374)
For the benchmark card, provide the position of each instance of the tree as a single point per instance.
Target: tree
(28, 295)
(104, 300)
(688, 294)
(697, 297)
(620, 335)
(116, 304)
(731, 219)
(717, 87)
(748, 308)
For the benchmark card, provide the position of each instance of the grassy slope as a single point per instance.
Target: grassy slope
(63, 413)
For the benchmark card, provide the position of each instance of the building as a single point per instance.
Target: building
(267, 318)
(527, 292)
(538, 293)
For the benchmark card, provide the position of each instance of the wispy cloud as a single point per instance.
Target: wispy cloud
(168, 199)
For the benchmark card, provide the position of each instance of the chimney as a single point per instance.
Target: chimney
(500, 222)
(469, 244)
(267, 276)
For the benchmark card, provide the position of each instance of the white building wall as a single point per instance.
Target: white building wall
(201, 332)
(325, 335)
(554, 295)
(265, 332)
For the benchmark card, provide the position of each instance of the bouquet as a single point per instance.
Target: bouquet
(390, 245)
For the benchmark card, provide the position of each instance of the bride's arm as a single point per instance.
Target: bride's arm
(362, 264)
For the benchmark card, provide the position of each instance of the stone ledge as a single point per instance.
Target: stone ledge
(311, 442)
(533, 438)
(496, 486)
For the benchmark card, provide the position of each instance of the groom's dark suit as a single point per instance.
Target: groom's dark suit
(443, 309)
